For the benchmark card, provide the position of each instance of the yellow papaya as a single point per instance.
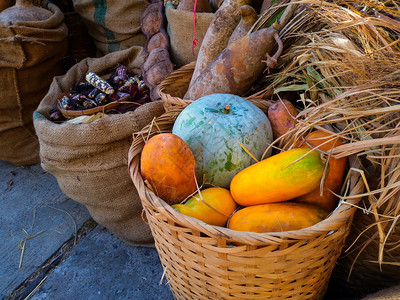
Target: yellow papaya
(278, 178)
(276, 217)
(213, 206)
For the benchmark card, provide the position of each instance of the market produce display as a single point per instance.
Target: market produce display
(327, 78)
(276, 137)
(222, 139)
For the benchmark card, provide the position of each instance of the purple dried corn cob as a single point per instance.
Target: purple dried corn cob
(122, 72)
(99, 83)
(131, 80)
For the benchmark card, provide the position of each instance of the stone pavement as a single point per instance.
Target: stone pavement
(51, 249)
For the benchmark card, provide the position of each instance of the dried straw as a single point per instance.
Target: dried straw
(342, 58)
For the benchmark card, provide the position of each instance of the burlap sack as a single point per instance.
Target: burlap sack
(180, 31)
(113, 25)
(30, 56)
(90, 160)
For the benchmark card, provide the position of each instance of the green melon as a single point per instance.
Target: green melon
(213, 126)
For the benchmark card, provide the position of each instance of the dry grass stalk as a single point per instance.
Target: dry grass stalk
(342, 58)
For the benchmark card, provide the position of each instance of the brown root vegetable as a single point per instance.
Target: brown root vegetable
(282, 116)
(158, 40)
(24, 11)
(201, 6)
(218, 33)
(265, 5)
(248, 17)
(152, 19)
(236, 68)
(157, 72)
(155, 56)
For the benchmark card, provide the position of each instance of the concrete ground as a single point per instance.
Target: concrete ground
(50, 248)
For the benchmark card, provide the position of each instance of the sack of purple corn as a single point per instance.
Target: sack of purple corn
(121, 91)
(89, 159)
(33, 41)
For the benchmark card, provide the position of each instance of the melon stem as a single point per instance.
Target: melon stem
(226, 109)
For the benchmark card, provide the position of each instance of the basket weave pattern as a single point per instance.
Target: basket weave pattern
(210, 262)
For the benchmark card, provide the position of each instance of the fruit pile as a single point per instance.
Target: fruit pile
(217, 166)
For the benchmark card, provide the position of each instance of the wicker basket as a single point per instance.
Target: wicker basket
(201, 262)
(174, 86)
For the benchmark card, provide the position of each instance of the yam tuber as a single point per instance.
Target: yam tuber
(218, 33)
(236, 68)
(155, 56)
(158, 40)
(152, 19)
(248, 17)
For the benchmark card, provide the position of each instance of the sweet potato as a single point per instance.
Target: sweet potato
(155, 56)
(201, 6)
(248, 17)
(152, 19)
(282, 115)
(218, 33)
(157, 72)
(235, 69)
(158, 40)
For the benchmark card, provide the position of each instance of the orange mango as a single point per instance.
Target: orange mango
(168, 164)
(278, 178)
(276, 217)
(213, 206)
(334, 179)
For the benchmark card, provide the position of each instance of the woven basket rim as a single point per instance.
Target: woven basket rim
(342, 214)
(183, 75)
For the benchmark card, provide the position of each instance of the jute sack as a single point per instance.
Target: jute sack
(30, 56)
(113, 25)
(180, 31)
(90, 160)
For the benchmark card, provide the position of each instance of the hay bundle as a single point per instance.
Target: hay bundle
(342, 64)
